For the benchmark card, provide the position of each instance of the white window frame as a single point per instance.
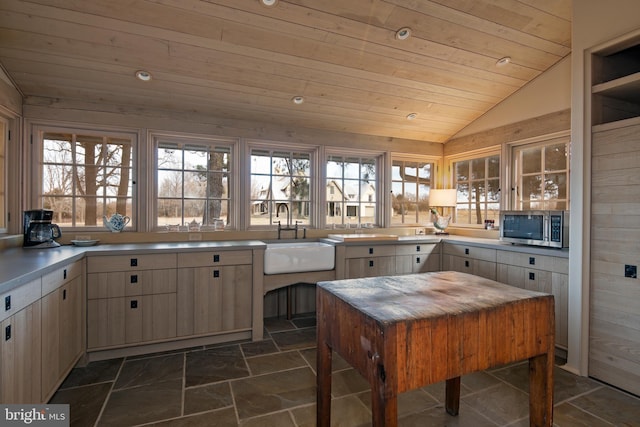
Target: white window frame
(471, 155)
(509, 198)
(382, 186)
(311, 150)
(35, 178)
(436, 178)
(156, 137)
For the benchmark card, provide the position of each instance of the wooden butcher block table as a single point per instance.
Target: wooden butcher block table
(404, 332)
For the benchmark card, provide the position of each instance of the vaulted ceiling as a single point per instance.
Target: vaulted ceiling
(240, 59)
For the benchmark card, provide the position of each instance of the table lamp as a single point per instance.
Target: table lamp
(441, 198)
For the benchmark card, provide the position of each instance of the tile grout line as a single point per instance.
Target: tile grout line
(108, 397)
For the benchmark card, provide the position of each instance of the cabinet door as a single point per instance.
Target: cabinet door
(370, 267)
(108, 320)
(560, 287)
(20, 356)
(158, 316)
(214, 299)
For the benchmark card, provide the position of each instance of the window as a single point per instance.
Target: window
(542, 175)
(280, 187)
(477, 182)
(351, 190)
(85, 176)
(410, 184)
(193, 182)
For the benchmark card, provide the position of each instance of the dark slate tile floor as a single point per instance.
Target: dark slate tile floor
(272, 383)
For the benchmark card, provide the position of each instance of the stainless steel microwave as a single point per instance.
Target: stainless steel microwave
(537, 228)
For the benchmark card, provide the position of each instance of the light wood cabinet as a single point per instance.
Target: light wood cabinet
(134, 305)
(215, 293)
(62, 325)
(417, 258)
(21, 345)
(370, 261)
(539, 273)
(469, 259)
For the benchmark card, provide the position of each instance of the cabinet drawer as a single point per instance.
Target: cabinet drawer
(539, 262)
(474, 252)
(19, 298)
(120, 283)
(211, 258)
(57, 278)
(370, 251)
(101, 264)
(416, 249)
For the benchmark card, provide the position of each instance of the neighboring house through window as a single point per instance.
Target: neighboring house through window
(351, 190)
(280, 187)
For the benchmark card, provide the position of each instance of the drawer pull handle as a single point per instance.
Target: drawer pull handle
(7, 333)
(466, 263)
(134, 278)
(418, 248)
(134, 262)
(532, 260)
(370, 263)
(216, 258)
(466, 251)
(134, 303)
(532, 276)
(64, 273)
(7, 303)
(216, 273)
(370, 251)
(418, 260)
(64, 294)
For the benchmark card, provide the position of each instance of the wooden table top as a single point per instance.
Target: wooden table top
(391, 299)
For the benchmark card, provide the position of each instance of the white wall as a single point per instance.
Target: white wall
(594, 22)
(548, 93)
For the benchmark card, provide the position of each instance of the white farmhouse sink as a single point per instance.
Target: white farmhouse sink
(296, 257)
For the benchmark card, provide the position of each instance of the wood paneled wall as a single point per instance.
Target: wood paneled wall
(128, 117)
(614, 354)
(543, 125)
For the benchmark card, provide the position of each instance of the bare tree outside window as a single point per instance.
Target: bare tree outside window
(85, 177)
(192, 183)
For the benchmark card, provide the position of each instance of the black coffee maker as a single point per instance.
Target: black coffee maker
(38, 230)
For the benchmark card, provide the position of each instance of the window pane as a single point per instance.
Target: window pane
(193, 182)
(555, 157)
(410, 187)
(531, 160)
(80, 171)
(477, 184)
(282, 191)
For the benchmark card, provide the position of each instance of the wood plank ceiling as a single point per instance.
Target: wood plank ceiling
(239, 59)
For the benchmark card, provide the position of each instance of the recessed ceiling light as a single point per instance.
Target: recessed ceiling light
(412, 116)
(297, 100)
(503, 61)
(403, 33)
(269, 3)
(145, 76)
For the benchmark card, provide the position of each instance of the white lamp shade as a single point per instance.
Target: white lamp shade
(442, 198)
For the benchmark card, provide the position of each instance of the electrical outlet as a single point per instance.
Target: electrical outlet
(195, 236)
(631, 271)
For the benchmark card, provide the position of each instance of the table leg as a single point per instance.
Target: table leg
(452, 396)
(541, 390)
(323, 382)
